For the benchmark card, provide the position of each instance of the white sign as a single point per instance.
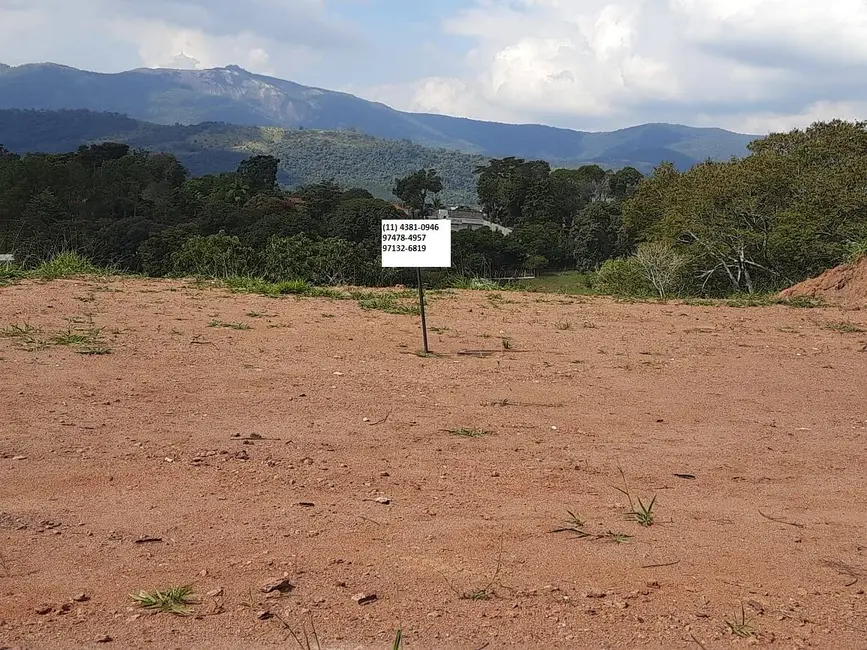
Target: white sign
(7, 257)
(423, 243)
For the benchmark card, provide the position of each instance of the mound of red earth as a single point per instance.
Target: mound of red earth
(844, 285)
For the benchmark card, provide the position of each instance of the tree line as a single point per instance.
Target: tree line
(143, 212)
(792, 208)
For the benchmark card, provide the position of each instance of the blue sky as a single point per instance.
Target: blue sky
(747, 65)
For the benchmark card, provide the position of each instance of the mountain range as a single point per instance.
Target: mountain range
(235, 96)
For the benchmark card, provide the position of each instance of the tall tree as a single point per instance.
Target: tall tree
(414, 189)
(359, 220)
(505, 186)
(259, 173)
(623, 183)
(597, 234)
(98, 154)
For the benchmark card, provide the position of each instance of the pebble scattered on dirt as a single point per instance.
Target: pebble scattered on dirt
(749, 426)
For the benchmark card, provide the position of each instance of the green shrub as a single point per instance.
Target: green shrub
(857, 250)
(328, 262)
(291, 287)
(155, 253)
(214, 256)
(10, 273)
(623, 277)
(389, 302)
(243, 284)
(336, 262)
(67, 264)
(288, 258)
(663, 267)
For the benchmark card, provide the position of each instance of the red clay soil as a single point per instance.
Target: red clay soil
(844, 285)
(315, 446)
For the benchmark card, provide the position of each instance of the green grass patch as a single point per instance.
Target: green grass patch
(84, 340)
(642, 513)
(244, 284)
(756, 300)
(19, 331)
(770, 299)
(9, 274)
(467, 432)
(702, 302)
(175, 600)
(739, 625)
(67, 264)
(390, 302)
(93, 350)
(28, 337)
(857, 250)
(472, 283)
(71, 338)
(231, 326)
(844, 327)
(575, 283)
(577, 528)
(326, 292)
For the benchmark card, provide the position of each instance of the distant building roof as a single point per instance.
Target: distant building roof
(473, 219)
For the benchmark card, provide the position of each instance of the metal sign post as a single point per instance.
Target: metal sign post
(421, 309)
(417, 243)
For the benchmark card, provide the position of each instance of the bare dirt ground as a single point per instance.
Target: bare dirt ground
(252, 454)
(844, 285)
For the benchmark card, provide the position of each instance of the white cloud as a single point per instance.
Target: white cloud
(430, 95)
(182, 62)
(111, 35)
(828, 31)
(752, 64)
(759, 122)
(159, 45)
(305, 22)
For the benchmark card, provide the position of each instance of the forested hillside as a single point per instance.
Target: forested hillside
(306, 156)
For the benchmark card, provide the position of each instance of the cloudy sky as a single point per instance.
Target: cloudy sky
(747, 65)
